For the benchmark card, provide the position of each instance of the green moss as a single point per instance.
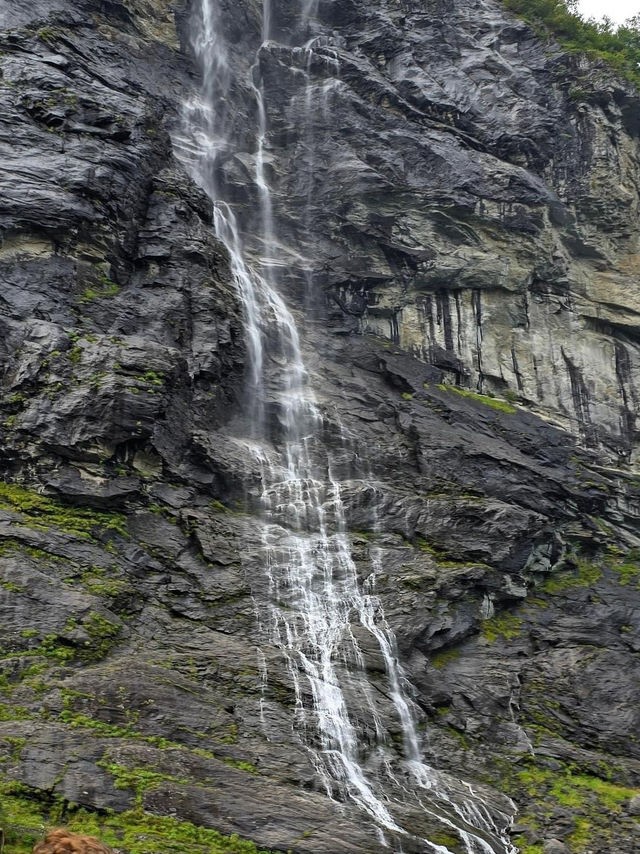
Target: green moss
(30, 812)
(219, 507)
(596, 804)
(628, 573)
(52, 646)
(103, 635)
(524, 847)
(619, 48)
(447, 838)
(459, 736)
(443, 558)
(48, 34)
(151, 378)
(493, 403)
(407, 395)
(138, 780)
(581, 836)
(16, 745)
(10, 712)
(75, 355)
(506, 626)
(10, 586)
(240, 765)
(105, 288)
(42, 512)
(94, 581)
(232, 737)
(441, 659)
(584, 574)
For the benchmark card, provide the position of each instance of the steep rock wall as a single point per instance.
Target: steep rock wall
(449, 216)
(483, 199)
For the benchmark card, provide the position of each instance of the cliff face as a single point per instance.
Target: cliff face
(455, 204)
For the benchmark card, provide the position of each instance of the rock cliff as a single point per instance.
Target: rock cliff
(456, 210)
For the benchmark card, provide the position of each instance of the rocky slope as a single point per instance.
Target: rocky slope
(470, 230)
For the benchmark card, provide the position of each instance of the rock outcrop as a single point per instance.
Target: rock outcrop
(457, 203)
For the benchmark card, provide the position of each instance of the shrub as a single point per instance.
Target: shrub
(618, 47)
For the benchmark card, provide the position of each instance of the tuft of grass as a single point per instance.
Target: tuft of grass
(628, 573)
(105, 288)
(585, 574)
(506, 626)
(491, 402)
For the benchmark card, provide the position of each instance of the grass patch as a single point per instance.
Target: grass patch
(42, 512)
(93, 580)
(441, 659)
(491, 402)
(105, 288)
(585, 574)
(29, 812)
(506, 626)
(138, 780)
(628, 571)
(595, 804)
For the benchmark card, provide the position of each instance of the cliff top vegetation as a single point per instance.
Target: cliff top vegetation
(618, 46)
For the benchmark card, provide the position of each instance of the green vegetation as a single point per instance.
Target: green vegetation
(443, 558)
(585, 574)
(151, 378)
(28, 813)
(75, 355)
(506, 626)
(596, 804)
(106, 288)
(447, 838)
(94, 581)
(491, 402)
(42, 512)
(103, 635)
(55, 648)
(628, 569)
(138, 780)
(570, 789)
(619, 48)
(10, 586)
(11, 712)
(524, 848)
(48, 34)
(444, 657)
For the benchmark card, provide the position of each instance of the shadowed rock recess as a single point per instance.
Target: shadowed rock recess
(455, 207)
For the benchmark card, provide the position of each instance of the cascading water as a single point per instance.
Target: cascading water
(317, 606)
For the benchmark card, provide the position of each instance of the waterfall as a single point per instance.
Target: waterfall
(316, 605)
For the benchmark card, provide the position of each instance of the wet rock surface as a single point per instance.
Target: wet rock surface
(471, 223)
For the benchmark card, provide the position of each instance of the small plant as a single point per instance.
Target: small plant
(106, 288)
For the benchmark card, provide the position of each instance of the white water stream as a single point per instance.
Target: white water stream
(317, 607)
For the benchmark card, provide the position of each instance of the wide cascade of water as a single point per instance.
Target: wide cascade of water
(317, 608)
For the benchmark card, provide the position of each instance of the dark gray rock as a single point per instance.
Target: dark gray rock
(463, 220)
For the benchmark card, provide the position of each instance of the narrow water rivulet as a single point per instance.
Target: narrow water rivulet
(317, 608)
